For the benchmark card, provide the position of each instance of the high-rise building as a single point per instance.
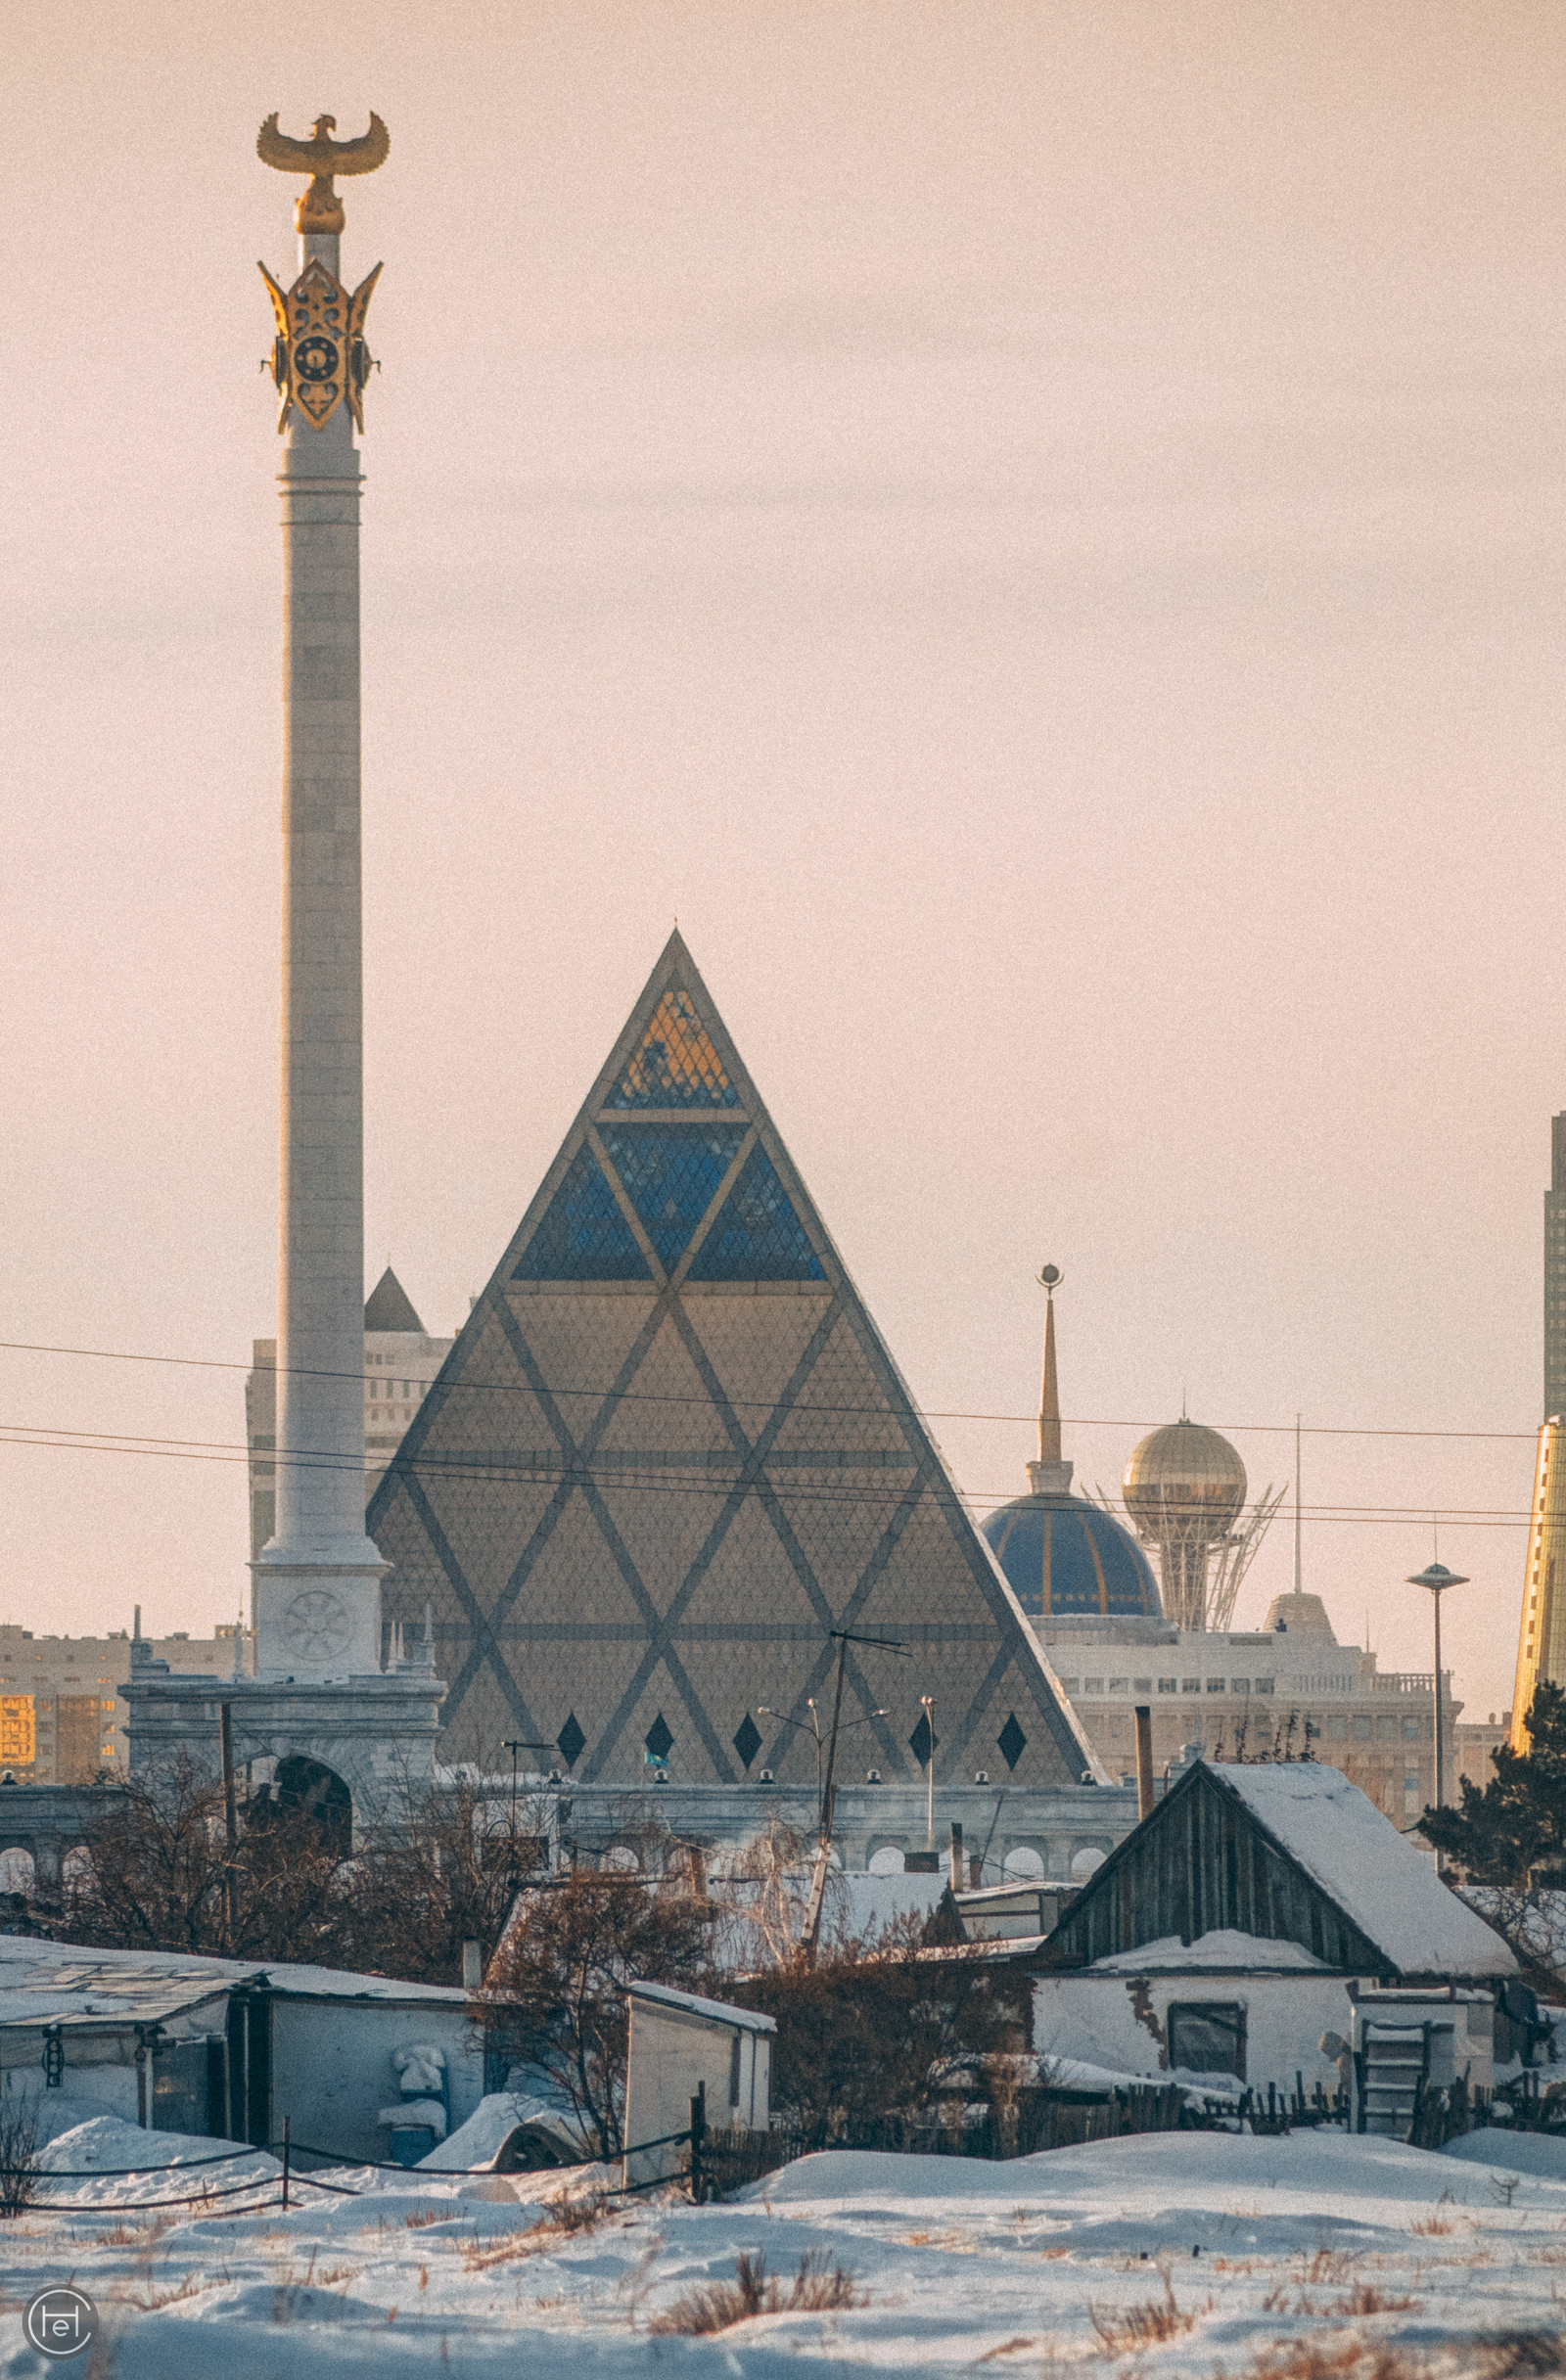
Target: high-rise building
(62, 1712)
(1555, 1271)
(1542, 1629)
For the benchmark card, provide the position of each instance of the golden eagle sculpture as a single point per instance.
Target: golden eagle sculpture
(320, 210)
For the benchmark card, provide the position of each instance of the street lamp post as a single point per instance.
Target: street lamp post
(515, 1744)
(1438, 1577)
(927, 1703)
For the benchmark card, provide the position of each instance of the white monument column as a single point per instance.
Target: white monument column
(317, 1584)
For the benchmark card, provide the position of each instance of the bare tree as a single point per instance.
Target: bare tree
(21, 2160)
(555, 1992)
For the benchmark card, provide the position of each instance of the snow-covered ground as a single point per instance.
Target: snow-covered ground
(1189, 2254)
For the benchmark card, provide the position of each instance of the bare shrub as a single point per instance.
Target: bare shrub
(1523, 2354)
(817, 2288)
(1365, 2299)
(21, 2158)
(581, 2214)
(1336, 2359)
(1125, 2330)
(876, 2028)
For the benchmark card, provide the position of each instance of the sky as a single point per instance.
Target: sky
(1033, 530)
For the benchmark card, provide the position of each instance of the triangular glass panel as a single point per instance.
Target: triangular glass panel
(1011, 1740)
(757, 1236)
(569, 1741)
(583, 1235)
(658, 1738)
(923, 1741)
(747, 1740)
(672, 1174)
(674, 1063)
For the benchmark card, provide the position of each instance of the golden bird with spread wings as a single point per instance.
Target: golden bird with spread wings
(320, 210)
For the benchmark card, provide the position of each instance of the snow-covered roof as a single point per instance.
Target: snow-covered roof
(717, 2012)
(55, 1983)
(1377, 1878)
(1222, 1948)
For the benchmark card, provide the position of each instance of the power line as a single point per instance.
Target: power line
(513, 1387)
(624, 1472)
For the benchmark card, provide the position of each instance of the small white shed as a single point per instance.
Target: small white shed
(679, 2043)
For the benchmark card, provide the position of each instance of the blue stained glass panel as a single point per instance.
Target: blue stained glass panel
(757, 1237)
(671, 1172)
(583, 1236)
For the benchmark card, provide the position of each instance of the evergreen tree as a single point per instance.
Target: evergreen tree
(1519, 1819)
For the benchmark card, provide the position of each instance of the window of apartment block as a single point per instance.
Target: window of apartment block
(1263, 1686)
(1412, 1731)
(1214, 1685)
(1120, 1685)
(1190, 1685)
(1166, 1685)
(1143, 1685)
(1093, 1685)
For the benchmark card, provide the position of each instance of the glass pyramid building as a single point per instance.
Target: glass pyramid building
(670, 1454)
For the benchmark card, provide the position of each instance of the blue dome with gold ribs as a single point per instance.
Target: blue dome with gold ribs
(1063, 1557)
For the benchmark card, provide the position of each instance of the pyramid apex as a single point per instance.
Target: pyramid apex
(389, 1306)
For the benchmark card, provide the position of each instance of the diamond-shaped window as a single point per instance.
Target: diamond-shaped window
(747, 1740)
(658, 1738)
(923, 1741)
(1011, 1740)
(583, 1235)
(671, 1172)
(676, 1065)
(569, 1741)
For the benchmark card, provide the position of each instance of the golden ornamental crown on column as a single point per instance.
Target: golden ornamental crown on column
(319, 358)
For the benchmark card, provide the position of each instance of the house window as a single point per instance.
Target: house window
(1214, 1685)
(1239, 1685)
(1263, 1686)
(1208, 2036)
(1410, 1731)
(1190, 1685)
(1143, 1685)
(1120, 1685)
(1093, 1685)
(1166, 1685)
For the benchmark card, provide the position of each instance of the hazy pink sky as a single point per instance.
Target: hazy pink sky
(1035, 529)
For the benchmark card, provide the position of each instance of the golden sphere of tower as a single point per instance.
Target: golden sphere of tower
(1187, 1475)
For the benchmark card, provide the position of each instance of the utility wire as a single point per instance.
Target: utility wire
(623, 1472)
(521, 1388)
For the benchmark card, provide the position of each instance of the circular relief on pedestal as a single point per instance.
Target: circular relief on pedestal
(316, 1624)
(315, 357)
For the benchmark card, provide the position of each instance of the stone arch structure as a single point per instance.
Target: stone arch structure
(301, 1784)
(374, 1735)
(18, 1870)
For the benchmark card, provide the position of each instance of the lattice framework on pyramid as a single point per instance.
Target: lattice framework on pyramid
(670, 1452)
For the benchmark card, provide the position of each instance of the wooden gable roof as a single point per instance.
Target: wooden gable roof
(1202, 1861)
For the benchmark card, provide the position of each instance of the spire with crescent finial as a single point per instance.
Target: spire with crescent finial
(1050, 1476)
